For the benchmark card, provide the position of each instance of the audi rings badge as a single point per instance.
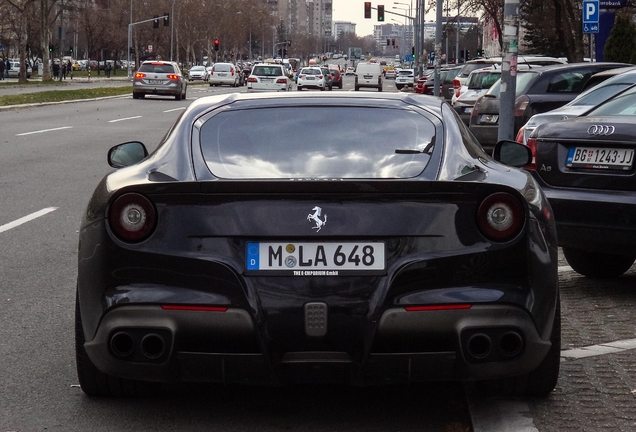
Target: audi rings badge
(601, 130)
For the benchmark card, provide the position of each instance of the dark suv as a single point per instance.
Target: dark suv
(537, 90)
(336, 76)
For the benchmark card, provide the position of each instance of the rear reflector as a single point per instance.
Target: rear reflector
(436, 307)
(195, 308)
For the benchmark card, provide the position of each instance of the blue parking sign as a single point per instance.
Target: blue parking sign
(590, 16)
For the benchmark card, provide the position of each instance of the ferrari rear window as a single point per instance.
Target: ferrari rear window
(332, 143)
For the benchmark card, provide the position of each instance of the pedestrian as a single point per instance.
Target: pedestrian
(56, 70)
(108, 68)
(2, 66)
(63, 71)
(69, 68)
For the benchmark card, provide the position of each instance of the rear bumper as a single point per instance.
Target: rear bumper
(598, 221)
(182, 331)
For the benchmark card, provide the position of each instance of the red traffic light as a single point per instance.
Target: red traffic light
(367, 9)
(216, 44)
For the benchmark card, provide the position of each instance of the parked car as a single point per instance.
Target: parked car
(586, 167)
(268, 77)
(14, 69)
(405, 78)
(159, 78)
(477, 84)
(198, 73)
(536, 60)
(312, 77)
(224, 74)
(231, 255)
(368, 75)
(336, 76)
(609, 83)
(447, 75)
(537, 91)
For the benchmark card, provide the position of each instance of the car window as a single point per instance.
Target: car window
(450, 75)
(406, 72)
(267, 71)
(600, 94)
(568, 82)
(311, 71)
(524, 79)
(386, 143)
(197, 68)
(623, 104)
(222, 68)
(156, 68)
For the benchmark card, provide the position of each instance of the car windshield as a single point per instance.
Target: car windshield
(599, 94)
(197, 68)
(311, 71)
(386, 143)
(406, 72)
(156, 68)
(267, 71)
(623, 105)
(222, 68)
(482, 80)
(524, 79)
(469, 67)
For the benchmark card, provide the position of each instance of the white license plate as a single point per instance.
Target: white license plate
(368, 76)
(310, 78)
(315, 258)
(600, 158)
(488, 118)
(222, 74)
(155, 82)
(468, 110)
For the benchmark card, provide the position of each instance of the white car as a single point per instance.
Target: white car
(268, 77)
(198, 73)
(311, 77)
(405, 78)
(14, 69)
(477, 84)
(224, 74)
(350, 71)
(390, 74)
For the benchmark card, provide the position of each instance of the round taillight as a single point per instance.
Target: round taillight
(132, 217)
(500, 217)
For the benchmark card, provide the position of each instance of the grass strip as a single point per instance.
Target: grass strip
(63, 95)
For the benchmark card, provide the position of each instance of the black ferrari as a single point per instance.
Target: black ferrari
(310, 238)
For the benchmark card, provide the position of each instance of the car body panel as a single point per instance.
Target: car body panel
(260, 324)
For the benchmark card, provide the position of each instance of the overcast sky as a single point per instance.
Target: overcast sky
(353, 11)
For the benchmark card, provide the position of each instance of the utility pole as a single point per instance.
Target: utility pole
(509, 71)
(438, 45)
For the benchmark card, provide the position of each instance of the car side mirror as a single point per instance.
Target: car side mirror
(126, 154)
(512, 153)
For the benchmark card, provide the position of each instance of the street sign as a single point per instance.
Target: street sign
(2, 47)
(409, 58)
(590, 16)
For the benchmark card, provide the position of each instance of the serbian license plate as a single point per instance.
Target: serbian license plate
(155, 82)
(600, 158)
(488, 118)
(368, 76)
(316, 259)
(222, 74)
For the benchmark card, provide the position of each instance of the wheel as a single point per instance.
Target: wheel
(322, 89)
(95, 383)
(135, 95)
(597, 264)
(340, 86)
(541, 381)
(357, 88)
(399, 87)
(177, 96)
(299, 88)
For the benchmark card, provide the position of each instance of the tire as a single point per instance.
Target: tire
(299, 88)
(95, 383)
(399, 87)
(597, 265)
(135, 95)
(177, 96)
(357, 88)
(210, 84)
(340, 86)
(541, 381)
(322, 89)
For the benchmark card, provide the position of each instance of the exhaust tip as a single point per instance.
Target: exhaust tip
(479, 345)
(153, 346)
(510, 344)
(122, 344)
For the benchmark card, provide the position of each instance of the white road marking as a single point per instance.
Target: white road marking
(123, 119)
(565, 268)
(45, 130)
(175, 109)
(26, 219)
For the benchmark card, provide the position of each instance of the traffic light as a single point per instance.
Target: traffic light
(467, 54)
(480, 53)
(155, 23)
(50, 48)
(388, 42)
(132, 50)
(71, 50)
(166, 19)
(380, 12)
(367, 9)
(216, 44)
(393, 42)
